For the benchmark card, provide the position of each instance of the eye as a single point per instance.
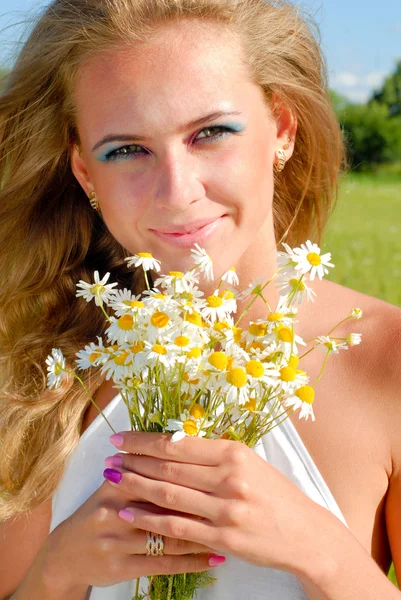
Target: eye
(134, 151)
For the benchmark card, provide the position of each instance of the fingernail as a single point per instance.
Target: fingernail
(126, 514)
(117, 439)
(113, 461)
(216, 559)
(112, 475)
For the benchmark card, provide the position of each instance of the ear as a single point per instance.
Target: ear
(80, 170)
(286, 125)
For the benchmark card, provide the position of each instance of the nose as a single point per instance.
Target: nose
(177, 185)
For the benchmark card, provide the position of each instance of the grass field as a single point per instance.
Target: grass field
(364, 237)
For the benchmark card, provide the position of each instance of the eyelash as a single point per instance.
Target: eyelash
(120, 154)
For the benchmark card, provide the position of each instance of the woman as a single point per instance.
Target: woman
(124, 125)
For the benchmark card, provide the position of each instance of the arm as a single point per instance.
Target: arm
(346, 570)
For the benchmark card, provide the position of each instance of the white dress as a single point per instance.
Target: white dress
(237, 580)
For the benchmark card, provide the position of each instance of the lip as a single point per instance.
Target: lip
(187, 240)
(188, 227)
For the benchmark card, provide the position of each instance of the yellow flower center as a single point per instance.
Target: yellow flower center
(160, 319)
(294, 361)
(97, 289)
(159, 349)
(257, 329)
(194, 353)
(297, 284)
(214, 301)
(287, 374)
(218, 360)
(197, 411)
(94, 356)
(285, 334)
(125, 322)
(134, 303)
(181, 341)
(58, 369)
(221, 326)
(191, 381)
(227, 294)
(314, 259)
(251, 404)
(112, 349)
(256, 346)
(120, 360)
(237, 377)
(176, 274)
(306, 393)
(275, 316)
(195, 319)
(190, 427)
(145, 255)
(255, 368)
(237, 331)
(160, 296)
(138, 347)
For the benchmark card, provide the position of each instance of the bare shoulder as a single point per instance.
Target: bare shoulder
(378, 358)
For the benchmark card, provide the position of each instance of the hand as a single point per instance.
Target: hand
(94, 547)
(232, 499)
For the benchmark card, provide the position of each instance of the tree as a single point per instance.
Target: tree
(371, 135)
(390, 93)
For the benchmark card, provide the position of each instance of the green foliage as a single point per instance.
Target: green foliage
(390, 94)
(372, 137)
(181, 586)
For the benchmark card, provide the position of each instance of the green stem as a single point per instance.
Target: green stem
(322, 369)
(146, 279)
(105, 313)
(338, 324)
(90, 397)
(170, 587)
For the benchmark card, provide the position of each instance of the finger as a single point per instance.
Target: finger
(135, 543)
(190, 449)
(175, 526)
(165, 565)
(197, 477)
(167, 495)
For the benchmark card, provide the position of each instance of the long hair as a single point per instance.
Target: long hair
(50, 238)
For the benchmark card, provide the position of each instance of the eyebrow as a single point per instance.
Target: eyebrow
(131, 137)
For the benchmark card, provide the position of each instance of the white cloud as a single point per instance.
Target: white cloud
(346, 79)
(358, 96)
(375, 78)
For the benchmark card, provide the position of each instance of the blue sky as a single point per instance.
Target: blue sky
(361, 39)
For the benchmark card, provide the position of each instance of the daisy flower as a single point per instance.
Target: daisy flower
(118, 365)
(189, 424)
(254, 288)
(124, 302)
(92, 356)
(302, 398)
(144, 260)
(290, 379)
(176, 282)
(246, 411)
(217, 307)
(55, 367)
(230, 277)
(97, 290)
(357, 313)
(354, 339)
(154, 353)
(293, 288)
(331, 345)
(203, 261)
(310, 261)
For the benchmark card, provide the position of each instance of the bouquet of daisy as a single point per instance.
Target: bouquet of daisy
(183, 364)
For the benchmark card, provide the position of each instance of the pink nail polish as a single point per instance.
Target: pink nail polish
(126, 515)
(216, 559)
(113, 461)
(112, 475)
(117, 439)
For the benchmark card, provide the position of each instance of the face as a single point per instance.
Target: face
(158, 177)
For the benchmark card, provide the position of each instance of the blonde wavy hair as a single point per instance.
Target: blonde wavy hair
(50, 238)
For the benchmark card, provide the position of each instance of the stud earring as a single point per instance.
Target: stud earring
(93, 201)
